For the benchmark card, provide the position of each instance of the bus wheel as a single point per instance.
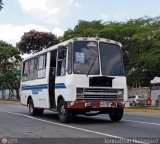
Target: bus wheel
(39, 112)
(64, 114)
(32, 110)
(134, 103)
(116, 114)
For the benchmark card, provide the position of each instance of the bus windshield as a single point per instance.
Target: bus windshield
(111, 59)
(86, 58)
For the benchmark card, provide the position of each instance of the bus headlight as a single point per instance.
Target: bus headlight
(79, 90)
(120, 94)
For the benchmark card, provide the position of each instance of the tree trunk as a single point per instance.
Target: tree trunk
(17, 94)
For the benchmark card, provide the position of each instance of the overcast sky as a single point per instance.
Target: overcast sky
(56, 16)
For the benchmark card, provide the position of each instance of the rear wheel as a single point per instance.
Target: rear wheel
(134, 103)
(34, 111)
(116, 114)
(64, 113)
(39, 112)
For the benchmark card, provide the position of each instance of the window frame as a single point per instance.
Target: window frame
(59, 59)
(25, 74)
(70, 58)
(44, 65)
(120, 50)
(35, 68)
(73, 56)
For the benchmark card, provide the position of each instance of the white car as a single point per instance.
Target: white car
(135, 99)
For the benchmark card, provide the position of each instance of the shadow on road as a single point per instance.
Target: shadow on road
(79, 119)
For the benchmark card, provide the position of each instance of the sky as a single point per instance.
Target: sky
(57, 16)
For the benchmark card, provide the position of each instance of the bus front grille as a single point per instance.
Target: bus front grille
(99, 94)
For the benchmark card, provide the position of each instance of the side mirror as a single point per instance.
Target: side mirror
(61, 52)
(126, 57)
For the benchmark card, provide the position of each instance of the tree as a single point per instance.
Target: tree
(85, 29)
(34, 41)
(145, 54)
(1, 5)
(9, 61)
(139, 37)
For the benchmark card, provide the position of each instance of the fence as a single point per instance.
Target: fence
(5, 93)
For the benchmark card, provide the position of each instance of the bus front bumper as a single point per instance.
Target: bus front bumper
(82, 104)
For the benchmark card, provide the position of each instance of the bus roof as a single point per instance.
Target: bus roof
(71, 40)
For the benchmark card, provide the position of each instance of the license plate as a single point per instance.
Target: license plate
(103, 104)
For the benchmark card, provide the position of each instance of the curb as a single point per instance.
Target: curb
(142, 110)
(10, 101)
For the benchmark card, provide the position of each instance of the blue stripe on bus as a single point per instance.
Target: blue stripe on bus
(35, 87)
(60, 86)
(43, 86)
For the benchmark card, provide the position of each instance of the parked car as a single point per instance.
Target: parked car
(135, 99)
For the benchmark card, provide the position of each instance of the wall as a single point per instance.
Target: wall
(142, 91)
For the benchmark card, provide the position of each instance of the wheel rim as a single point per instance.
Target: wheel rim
(62, 111)
(31, 108)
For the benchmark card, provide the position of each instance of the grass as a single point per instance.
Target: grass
(9, 100)
(141, 107)
(142, 110)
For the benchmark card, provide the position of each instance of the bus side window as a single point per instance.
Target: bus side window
(31, 68)
(42, 66)
(35, 68)
(61, 63)
(25, 73)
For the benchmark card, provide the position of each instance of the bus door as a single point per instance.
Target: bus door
(60, 71)
(52, 73)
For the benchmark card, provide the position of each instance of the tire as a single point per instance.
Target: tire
(134, 103)
(39, 112)
(116, 114)
(64, 113)
(34, 111)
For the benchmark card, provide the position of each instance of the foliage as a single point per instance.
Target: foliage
(85, 29)
(35, 41)
(1, 5)
(140, 39)
(9, 61)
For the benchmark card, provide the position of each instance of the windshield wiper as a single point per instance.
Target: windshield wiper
(91, 66)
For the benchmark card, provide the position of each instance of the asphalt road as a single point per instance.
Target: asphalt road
(17, 126)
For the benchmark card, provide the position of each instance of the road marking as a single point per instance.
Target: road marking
(141, 122)
(134, 121)
(77, 128)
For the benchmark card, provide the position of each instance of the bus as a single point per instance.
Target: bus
(79, 76)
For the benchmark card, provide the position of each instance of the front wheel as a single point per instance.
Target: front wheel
(64, 113)
(34, 111)
(116, 114)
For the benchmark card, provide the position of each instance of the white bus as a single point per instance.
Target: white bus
(78, 76)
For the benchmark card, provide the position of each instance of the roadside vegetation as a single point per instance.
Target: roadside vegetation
(142, 107)
(140, 38)
(1, 5)
(141, 41)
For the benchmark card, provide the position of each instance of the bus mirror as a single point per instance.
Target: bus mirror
(66, 69)
(61, 52)
(126, 58)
